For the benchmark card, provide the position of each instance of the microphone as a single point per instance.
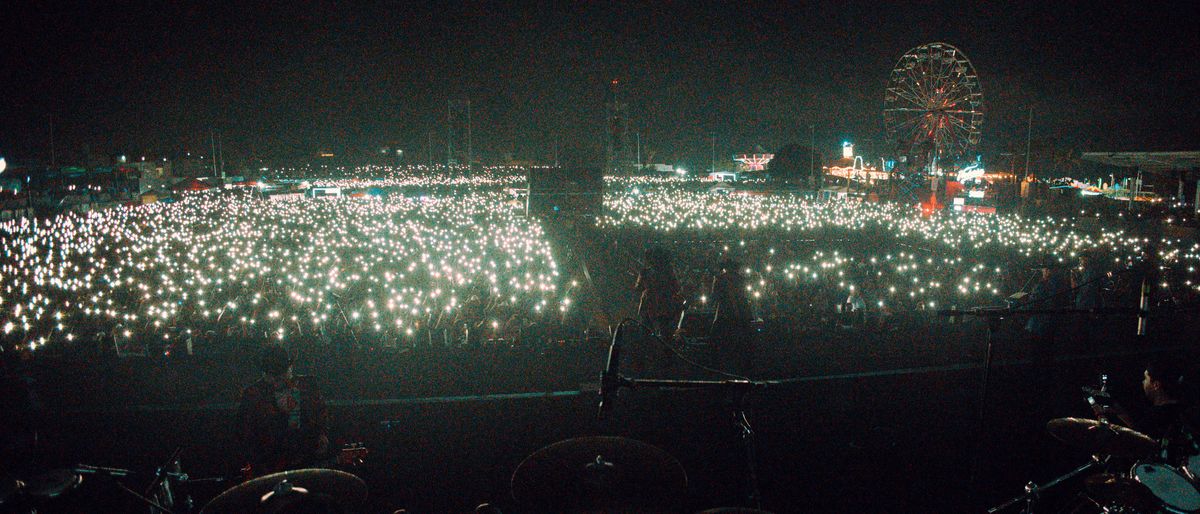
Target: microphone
(610, 378)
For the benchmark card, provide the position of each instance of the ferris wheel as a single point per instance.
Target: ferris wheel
(933, 107)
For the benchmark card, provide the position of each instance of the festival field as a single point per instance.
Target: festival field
(454, 334)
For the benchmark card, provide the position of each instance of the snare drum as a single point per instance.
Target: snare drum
(1169, 486)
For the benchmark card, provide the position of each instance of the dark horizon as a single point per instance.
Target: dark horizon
(287, 81)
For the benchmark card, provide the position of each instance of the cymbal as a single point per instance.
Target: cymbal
(339, 487)
(599, 474)
(1101, 438)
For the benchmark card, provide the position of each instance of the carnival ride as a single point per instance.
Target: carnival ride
(753, 162)
(933, 112)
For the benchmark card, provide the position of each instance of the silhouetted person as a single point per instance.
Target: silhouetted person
(282, 419)
(1049, 293)
(660, 303)
(731, 323)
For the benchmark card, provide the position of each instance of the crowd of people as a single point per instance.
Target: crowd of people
(449, 257)
(806, 261)
(231, 265)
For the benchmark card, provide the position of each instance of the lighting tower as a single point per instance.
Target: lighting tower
(618, 150)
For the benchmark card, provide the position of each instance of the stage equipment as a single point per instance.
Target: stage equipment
(343, 488)
(1102, 438)
(738, 390)
(599, 474)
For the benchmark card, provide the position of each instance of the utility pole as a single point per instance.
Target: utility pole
(449, 135)
(221, 158)
(470, 149)
(812, 150)
(429, 148)
(212, 141)
(1028, 137)
(52, 159)
(639, 150)
(714, 153)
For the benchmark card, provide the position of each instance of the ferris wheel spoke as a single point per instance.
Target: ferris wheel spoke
(960, 123)
(906, 95)
(963, 97)
(957, 135)
(921, 130)
(919, 79)
(911, 120)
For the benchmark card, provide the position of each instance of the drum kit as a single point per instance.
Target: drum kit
(586, 474)
(1130, 473)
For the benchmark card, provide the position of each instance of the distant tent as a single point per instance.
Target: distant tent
(191, 184)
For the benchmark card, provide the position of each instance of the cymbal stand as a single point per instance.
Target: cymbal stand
(113, 474)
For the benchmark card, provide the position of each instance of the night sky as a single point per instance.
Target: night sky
(287, 80)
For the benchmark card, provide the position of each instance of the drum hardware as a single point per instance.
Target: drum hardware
(339, 487)
(1033, 491)
(611, 381)
(113, 474)
(993, 316)
(599, 473)
(1100, 437)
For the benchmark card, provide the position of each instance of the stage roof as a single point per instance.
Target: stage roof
(1147, 161)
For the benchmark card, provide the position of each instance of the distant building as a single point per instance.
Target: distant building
(191, 166)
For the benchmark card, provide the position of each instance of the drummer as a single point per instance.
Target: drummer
(1165, 388)
(282, 418)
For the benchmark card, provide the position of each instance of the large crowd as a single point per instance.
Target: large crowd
(807, 257)
(231, 265)
(447, 256)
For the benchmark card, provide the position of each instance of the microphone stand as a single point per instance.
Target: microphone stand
(740, 390)
(993, 316)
